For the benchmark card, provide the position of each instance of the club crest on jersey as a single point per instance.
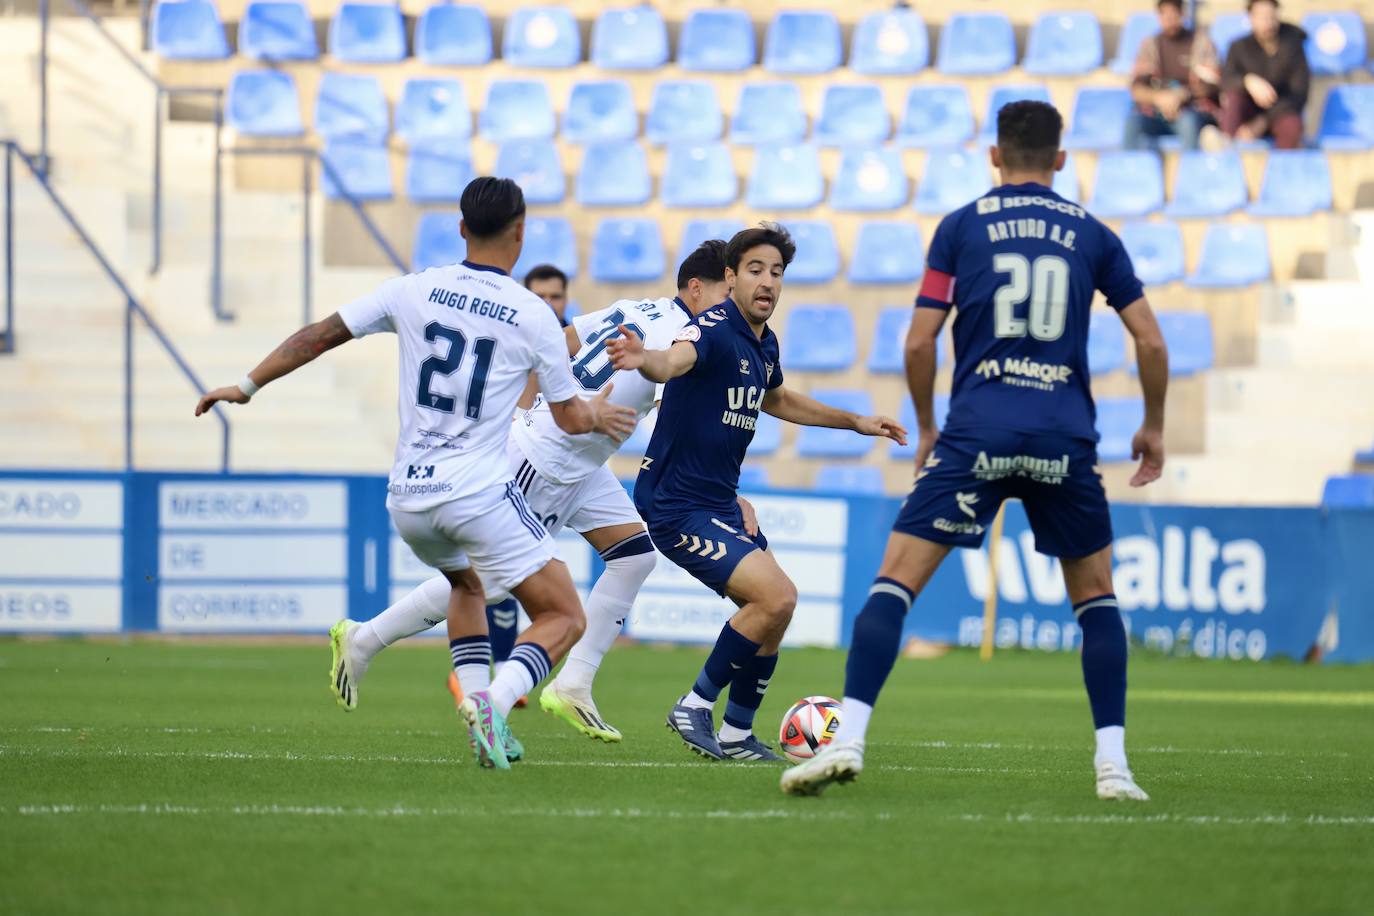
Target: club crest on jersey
(989, 205)
(691, 333)
(768, 371)
(744, 367)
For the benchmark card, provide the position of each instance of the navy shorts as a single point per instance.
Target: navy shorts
(709, 545)
(959, 490)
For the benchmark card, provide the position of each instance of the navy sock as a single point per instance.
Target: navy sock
(1104, 659)
(876, 639)
(503, 619)
(747, 690)
(731, 654)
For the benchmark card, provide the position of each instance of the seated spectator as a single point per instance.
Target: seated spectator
(1265, 81)
(1175, 83)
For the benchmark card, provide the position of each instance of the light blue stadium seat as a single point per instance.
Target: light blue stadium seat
(1349, 491)
(1365, 456)
(1156, 251)
(976, 43)
(906, 415)
(1066, 183)
(819, 338)
(600, 111)
(869, 180)
(753, 477)
(1225, 29)
(852, 113)
(936, 116)
(1189, 338)
(1099, 118)
(433, 109)
(887, 252)
(638, 442)
(516, 110)
(1348, 118)
(351, 105)
(438, 172)
(277, 30)
(363, 168)
(767, 435)
(886, 354)
(720, 40)
(542, 36)
(786, 178)
(548, 240)
(699, 175)
(803, 41)
(818, 254)
(453, 35)
(534, 165)
(1118, 420)
(1297, 182)
(1106, 343)
(627, 251)
(818, 442)
(890, 43)
(1128, 183)
(438, 241)
(850, 479)
(684, 111)
(263, 103)
(1138, 27)
(1064, 44)
(700, 230)
(614, 175)
(367, 33)
(1002, 96)
(188, 30)
(634, 38)
(1233, 254)
(1335, 43)
(768, 113)
(952, 178)
(1208, 184)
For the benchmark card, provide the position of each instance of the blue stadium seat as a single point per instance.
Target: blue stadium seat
(1118, 420)
(952, 178)
(542, 36)
(263, 103)
(1064, 44)
(767, 435)
(1349, 491)
(786, 178)
(277, 30)
(614, 175)
(890, 43)
(852, 114)
(627, 251)
(1099, 118)
(720, 40)
(699, 175)
(1348, 118)
(753, 477)
(1106, 343)
(1156, 251)
(1208, 184)
(634, 38)
(351, 105)
(887, 252)
(1066, 183)
(1225, 29)
(188, 30)
(818, 442)
(600, 111)
(516, 110)
(886, 354)
(433, 109)
(850, 479)
(363, 168)
(1002, 96)
(1138, 27)
(976, 43)
(438, 173)
(534, 165)
(700, 230)
(638, 442)
(869, 179)
(906, 415)
(1233, 254)
(936, 116)
(453, 35)
(684, 111)
(548, 240)
(1297, 182)
(819, 338)
(1128, 183)
(768, 113)
(1189, 337)
(1365, 456)
(1335, 43)
(818, 254)
(438, 241)
(367, 33)
(803, 41)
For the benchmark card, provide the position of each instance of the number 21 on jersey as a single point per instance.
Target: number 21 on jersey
(483, 349)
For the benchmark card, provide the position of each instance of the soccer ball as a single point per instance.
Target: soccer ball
(808, 726)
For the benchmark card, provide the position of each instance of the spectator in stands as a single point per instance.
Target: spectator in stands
(1265, 81)
(1175, 83)
(550, 284)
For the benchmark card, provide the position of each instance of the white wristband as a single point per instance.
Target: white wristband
(247, 386)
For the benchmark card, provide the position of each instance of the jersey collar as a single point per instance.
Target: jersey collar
(472, 265)
(677, 300)
(736, 315)
(1025, 186)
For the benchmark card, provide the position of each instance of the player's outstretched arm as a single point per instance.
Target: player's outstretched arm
(628, 352)
(921, 340)
(598, 415)
(795, 407)
(294, 352)
(1152, 359)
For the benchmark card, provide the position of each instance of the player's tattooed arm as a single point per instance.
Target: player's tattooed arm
(628, 352)
(294, 352)
(795, 407)
(922, 339)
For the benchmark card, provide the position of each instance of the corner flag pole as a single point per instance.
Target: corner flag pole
(990, 602)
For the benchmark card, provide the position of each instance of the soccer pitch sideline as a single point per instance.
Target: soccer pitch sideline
(152, 777)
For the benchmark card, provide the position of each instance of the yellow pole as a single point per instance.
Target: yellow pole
(990, 602)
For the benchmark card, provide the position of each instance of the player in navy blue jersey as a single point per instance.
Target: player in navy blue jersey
(720, 371)
(1020, 265)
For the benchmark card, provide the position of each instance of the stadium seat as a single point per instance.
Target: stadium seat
(684, 111)
(1348, 118)
(1208, 184)
(638, 442)
(542, 36)
(433, 109)
(869, 179)
(936, 116)
(886, 355)
(277, 30)
(887, 252)
(1138, 27)
(906, 415)
(976, 43)
(516, 110)
(819, 442)
(699, 175)
(548, 240)
(1189, 337)
(1066, 183)
(351, 105)
(803, 41)
(438, 173)
(634, 38)
(818, 254)
(1335, 43)
(1106, 343)
(362, 167)
(768, 113)
(819, 338)
(1233, 254)
(438, 241)
(720, 40)
(1063, 44)
(952, 178)
(453, 35)
(700, 230)
(614, 175)
(1156, 251)
(767, 435)
(850, 479)
(1349, 491)
(1002, 96)
(852, 114)
(1128, 183)
(1118, 420)
(754, 476)
(786, 178)
(1297, 182)
(1099, 118)
(627, 251)
(890, 43)
(1225, 29)
(263, 103)
(600, 111)
(188, 30)
(534, 165)
(1365, 456)
(367, 33)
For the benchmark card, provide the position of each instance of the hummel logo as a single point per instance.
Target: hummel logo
(702, 547)
(735, 667)
(966, 503)
(712, 318)
(744, 367)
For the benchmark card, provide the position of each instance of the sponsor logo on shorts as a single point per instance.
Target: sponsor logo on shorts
(965, 502)
(1026, 373)
(1040, 470)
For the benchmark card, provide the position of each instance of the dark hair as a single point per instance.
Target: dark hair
(1176, 4)
(490, 205)
(545, 272)
(707, 263)
(1028, 135)
(765, 233)
(1251, 4)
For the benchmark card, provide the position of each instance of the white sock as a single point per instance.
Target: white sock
(425, 606)
(854, 715)
(728, 732)
(1111, 746)
(695, 700)
(528, 665)
(473, 679)
(496, 670)
(607, 608)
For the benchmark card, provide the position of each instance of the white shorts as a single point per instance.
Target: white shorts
(596, 501)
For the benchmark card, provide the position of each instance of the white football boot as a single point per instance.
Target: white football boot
(1116, 783)
(836, 762)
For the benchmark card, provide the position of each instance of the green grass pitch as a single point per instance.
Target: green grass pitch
(214, 778)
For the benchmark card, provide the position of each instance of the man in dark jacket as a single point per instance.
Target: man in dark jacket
(1265, 80)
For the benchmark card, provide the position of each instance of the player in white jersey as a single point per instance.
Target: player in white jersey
(469, 337)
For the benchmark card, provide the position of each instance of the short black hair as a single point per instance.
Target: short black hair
(490, 205)
(765, 233)
(1251, 4)
(1176, 4)
(545, 272)
(706, 263)
(1028, 135)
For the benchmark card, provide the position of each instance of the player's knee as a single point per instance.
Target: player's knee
(782, 601)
